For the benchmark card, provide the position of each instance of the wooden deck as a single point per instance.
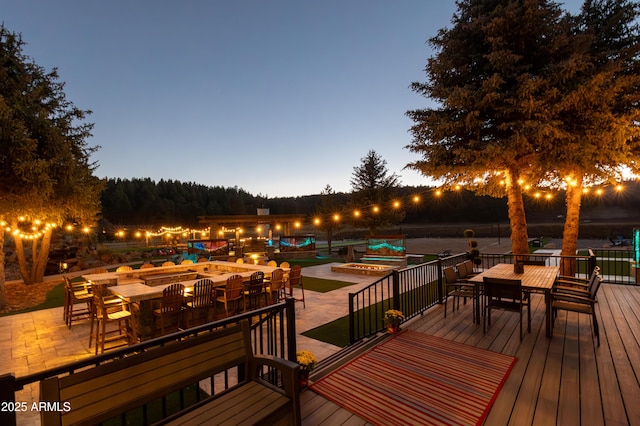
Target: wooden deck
(565, 380)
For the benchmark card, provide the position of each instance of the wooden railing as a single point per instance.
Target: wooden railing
(272, 333)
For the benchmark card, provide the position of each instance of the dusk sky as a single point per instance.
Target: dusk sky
(279, 98)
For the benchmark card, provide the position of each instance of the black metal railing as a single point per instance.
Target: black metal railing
(414, 290)
(272, 333)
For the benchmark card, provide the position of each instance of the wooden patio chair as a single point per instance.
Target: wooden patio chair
(275, 286)
(457, 289)
(186, 262)
(201, 302)
(76, 293)
(272, 263)
(171, 306)
(506, 295)
(106, 311)
(231, 294)
(254, 292)
(168, 263)
(124, 268)
(295, 281)
(147, 266)
(99, 271)
(583, 304)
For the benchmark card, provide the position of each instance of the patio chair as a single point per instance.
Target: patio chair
(231, 294)
(147, 266)
(275, 286)
(201, 301)
(109, 311)
(76, 293)
(295, 281)
(171, 306)
(99, 271)
(574, 285)
(506, 295)
(124, 268)
(272, 263)
(465, 270)
(168, 263)
(456, 289)
(580, 303)
(255, 292)
(186, 262)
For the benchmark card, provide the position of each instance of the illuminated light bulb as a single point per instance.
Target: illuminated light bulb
(599, 191)
(537, 195)
(376, 209)
(585, 190)
(316, 221)
(356, 213)
(527, 187)
(457, 187)
(37, 222)
(69, 228)
(297, 224)
(520, 181)
(619, 188)
(21, 219)
(416, 198)
(548, 196)
(336, 217)
(396, 204)
(502, 182)
(438, 193)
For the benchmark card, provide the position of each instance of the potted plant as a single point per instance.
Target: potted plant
(392, 319)
(307, 361)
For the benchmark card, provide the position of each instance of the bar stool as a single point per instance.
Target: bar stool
(201, 301)
(75, 293)
(109, 311)
(231, 294)
(275, 286)
(295, 280)
(171, 306)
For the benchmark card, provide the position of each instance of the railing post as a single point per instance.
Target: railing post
(439, 289)
(291, 329)
(592, 262)
(8, 397)
(352, 321)
(396, 290)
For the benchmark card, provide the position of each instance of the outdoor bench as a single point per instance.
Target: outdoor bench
(109, 390)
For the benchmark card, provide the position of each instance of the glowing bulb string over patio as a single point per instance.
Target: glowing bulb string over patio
(32, 229)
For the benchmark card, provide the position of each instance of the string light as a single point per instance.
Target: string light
(38, 227)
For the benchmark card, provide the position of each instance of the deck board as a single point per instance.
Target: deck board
(563, 380)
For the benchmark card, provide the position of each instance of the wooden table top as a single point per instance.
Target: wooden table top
(534, 276)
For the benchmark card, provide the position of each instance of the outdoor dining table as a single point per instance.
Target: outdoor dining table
(535, 278)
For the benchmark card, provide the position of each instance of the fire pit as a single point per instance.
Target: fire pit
(363, 269)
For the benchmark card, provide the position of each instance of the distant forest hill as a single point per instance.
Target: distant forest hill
(173, 203)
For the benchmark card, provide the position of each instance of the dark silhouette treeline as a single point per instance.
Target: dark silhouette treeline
(174, 203)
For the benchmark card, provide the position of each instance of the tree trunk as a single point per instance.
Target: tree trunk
(571, 227)
(22, 260)
(517, 218)
(40, 261)
(3, 293)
